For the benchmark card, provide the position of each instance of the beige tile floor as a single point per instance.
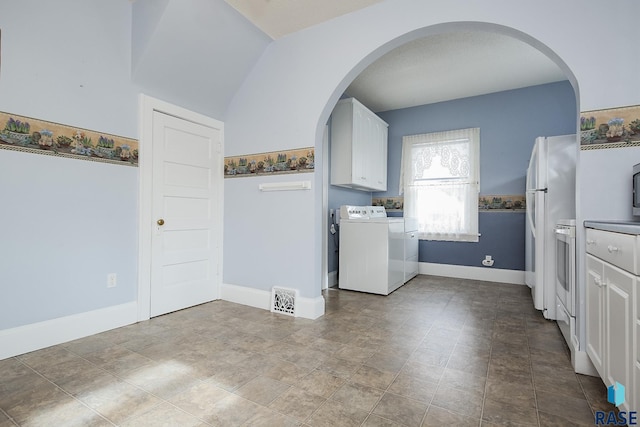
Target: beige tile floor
(436, 352)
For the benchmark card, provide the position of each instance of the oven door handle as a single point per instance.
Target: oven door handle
(563, 231)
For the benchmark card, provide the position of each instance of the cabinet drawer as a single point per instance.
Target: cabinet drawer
(616, 248)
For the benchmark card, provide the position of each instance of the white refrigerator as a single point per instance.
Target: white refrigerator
(550, 196)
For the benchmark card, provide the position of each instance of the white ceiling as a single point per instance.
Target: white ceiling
(428, 70)
(451, 66)
(277, 18)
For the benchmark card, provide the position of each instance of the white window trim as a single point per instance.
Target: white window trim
(408, 141)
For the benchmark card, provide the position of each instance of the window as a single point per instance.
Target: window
(440, 181)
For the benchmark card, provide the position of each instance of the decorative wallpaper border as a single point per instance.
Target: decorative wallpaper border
(610, 128)
(609, 145)
(486, 203)
(390, 203)
(500, 202)
(37, 136)
(272, 163)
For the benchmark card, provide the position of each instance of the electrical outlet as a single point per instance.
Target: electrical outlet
(112, 280)
(488, 261)
(331, 212)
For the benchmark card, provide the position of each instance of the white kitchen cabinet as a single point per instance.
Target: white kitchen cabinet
(619, 326)
(358, 147)
(595, 300)
(612, 311)
(636, 352)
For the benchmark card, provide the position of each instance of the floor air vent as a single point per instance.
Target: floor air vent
(283, 301)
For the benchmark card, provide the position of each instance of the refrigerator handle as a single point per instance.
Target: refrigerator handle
(532, 162)
(529, 208)
(530, 188)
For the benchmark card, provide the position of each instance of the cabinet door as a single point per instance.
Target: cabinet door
(619, 321)
(359, 154)
(358, 147)
(636, 354)
(341, 139)
(595, 312)
(378, 155)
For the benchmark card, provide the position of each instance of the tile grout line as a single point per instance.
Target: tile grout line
(9, 417)
(486, 378)
(593, 411)
(398, 374)
(327, 399)
(121, 378)
(64, 391)
(464, 344)
(424, 417)
(370, 412)
(533, 379)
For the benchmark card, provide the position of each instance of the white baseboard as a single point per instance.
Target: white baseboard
(582, 364)
(246, 296)
(580, 360)
(308, 308)
(515, 277)
(23, 339)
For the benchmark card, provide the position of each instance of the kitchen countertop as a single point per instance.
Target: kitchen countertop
(626, 227)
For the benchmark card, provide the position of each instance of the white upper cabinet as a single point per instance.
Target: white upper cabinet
(358, 147)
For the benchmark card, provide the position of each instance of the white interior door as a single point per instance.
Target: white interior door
(185, 242)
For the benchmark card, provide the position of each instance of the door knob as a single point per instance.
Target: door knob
(161, 221)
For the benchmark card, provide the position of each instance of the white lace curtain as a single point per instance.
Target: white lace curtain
(440, 181)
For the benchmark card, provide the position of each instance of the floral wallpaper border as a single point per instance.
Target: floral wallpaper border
(389, 203)
(272, 163)
(486, 203)
(26, 134)
(610, 128)
(501, 202)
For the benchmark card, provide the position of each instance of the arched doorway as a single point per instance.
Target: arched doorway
(424, 35)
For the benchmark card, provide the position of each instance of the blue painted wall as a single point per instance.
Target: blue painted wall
(502, 237)
(509, 122)
(338, 196)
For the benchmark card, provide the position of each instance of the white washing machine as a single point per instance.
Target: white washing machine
(372, 250)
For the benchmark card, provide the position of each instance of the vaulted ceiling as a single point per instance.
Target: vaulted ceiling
(277, 18)
(428, 70)
(202, 50)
